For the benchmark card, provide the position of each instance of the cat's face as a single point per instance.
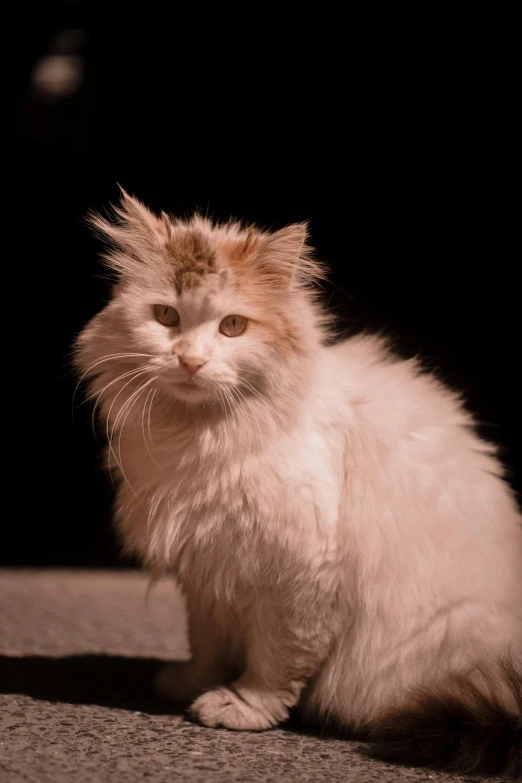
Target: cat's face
(206, 342)
(201, 312)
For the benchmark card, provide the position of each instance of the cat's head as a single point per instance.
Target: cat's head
(211, 312)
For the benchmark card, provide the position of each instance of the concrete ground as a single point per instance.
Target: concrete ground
(78, 650)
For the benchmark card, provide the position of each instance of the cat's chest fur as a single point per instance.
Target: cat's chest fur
(205, 510)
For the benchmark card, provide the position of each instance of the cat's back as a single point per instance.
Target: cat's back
(383, 392)
(413, 432)
(413, 457)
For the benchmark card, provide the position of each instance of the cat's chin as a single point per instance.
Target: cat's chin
(188, 392)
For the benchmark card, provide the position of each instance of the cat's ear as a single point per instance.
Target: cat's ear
(137, 214)
(134, 235)
(284, 257)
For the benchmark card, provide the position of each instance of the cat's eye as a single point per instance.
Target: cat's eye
(233, 325)
(166, 315)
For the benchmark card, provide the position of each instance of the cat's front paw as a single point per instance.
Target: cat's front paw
(243, 711)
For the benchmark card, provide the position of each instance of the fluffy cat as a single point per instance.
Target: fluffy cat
(345, 542)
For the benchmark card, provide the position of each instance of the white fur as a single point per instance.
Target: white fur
(339, 531)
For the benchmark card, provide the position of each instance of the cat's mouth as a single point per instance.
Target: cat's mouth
(188, 386)
(190, 390)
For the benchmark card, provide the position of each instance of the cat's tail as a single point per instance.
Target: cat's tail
(457, 727)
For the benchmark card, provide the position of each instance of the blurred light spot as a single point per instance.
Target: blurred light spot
(58, 75)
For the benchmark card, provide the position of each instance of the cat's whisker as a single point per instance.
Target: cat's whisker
(251, 417)
(232, 394)
(227, 399)
(222, 403)
(115, 380)
(134, 396)
(239, 409)
(108, 419)
(106, 358)
(226, 403)
(255, 392)
(152, 392)
(131, 402)
(125, 406)
(99, 394)
(148, 418)
(248, 383)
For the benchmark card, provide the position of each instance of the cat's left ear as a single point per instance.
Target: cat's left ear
(283, 256)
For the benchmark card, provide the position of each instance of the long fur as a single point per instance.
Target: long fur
(345, 541)
(456, 727)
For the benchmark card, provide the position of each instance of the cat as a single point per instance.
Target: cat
(345, 542)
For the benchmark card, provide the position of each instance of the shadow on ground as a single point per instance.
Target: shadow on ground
(113, 681)
(106, 680)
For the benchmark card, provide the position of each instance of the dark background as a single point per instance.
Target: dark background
(395, 144)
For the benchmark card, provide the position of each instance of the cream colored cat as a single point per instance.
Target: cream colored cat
(345, 541)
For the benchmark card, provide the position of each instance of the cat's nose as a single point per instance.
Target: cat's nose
(192, 364)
